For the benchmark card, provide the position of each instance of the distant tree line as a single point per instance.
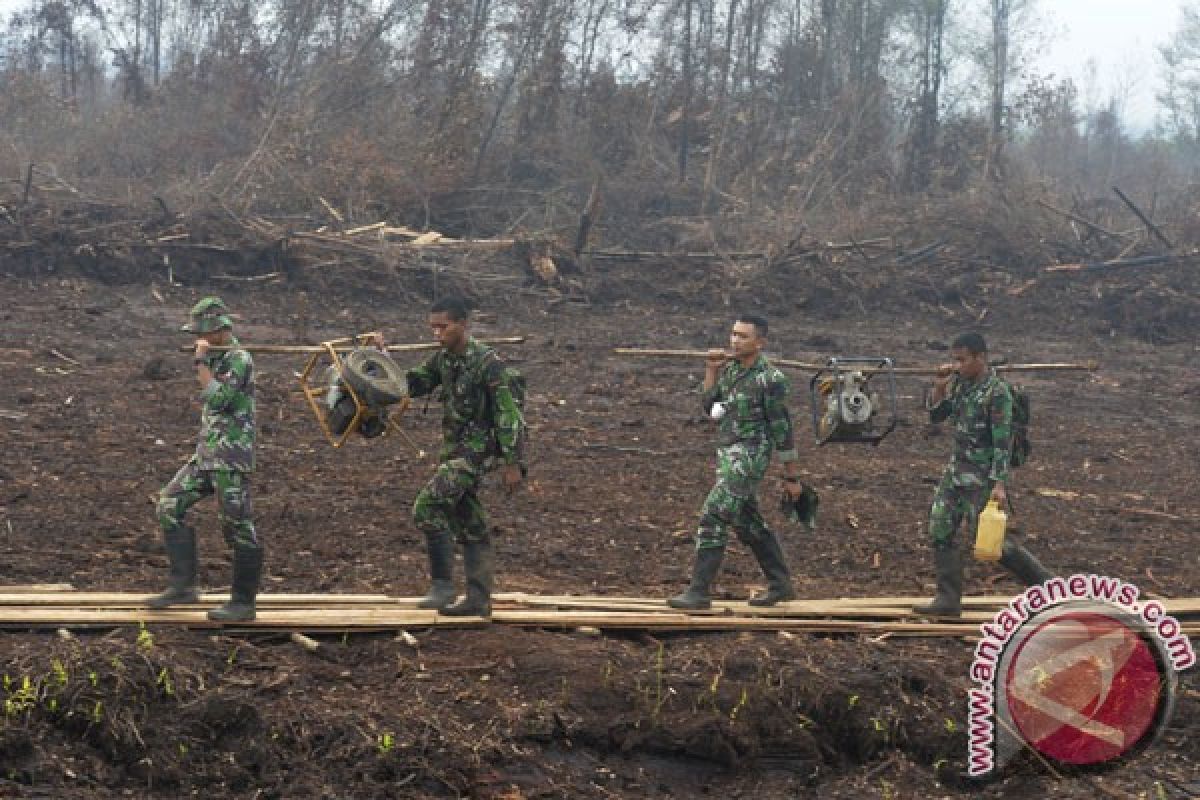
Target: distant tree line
(500, 108)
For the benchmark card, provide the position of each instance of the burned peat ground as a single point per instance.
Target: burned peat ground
(103, 412)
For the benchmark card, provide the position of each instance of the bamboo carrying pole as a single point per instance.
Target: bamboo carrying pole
(343, 345)
(814, 367)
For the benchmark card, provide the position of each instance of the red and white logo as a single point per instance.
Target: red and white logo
(1084, 687)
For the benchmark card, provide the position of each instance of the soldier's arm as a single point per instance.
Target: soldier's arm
(941, 409)
(714, 371)
(224, 387)
(424, 379)
(779, 421)
(1000, 412)
(712, 391)
(939, 401)
(506, 416)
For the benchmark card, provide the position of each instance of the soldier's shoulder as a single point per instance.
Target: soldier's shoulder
(999, 387)
(486, 361)
(240, 357)
(772, 374)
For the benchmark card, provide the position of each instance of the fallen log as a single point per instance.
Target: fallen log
(1075, 217)
(1154, 229)
(1117, 263)
(638, 255)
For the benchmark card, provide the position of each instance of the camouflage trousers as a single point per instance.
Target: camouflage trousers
(732, 504)
(232, 490)
(449, 502)
(952, 505)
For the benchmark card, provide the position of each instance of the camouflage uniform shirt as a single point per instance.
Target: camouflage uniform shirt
(226, 439)
(982, 417)
(756, 414)
(480, 418)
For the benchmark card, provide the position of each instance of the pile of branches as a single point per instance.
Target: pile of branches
(47, 225)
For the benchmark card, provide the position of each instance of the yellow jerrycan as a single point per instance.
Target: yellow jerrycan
(989, 536)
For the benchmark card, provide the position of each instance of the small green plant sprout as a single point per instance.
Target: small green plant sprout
(1160, 793)
(22, 699)
(59, 672)
(164, 682)
(93, 678)
(386, 743)
(951, 726)
(745, 698)
(183, 749)
(852, 701)
(98, 712)
(145, 639)
(880, 725)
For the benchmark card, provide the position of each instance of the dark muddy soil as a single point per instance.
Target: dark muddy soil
(621, 461)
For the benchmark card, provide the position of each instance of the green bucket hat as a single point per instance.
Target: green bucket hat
(210, 314)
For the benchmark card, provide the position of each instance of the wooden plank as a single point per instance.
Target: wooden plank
(351, 619)
(981, 603)
(822, 608)
(284, 618)
(32, 588)
(138, 600)
(679, 621)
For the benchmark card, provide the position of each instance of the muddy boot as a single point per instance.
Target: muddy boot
(1020, 562)
(948, 600)
(441, 571)
(181, 581)
(696, 597)
(247, 570)
(479, 565)
(779, 580)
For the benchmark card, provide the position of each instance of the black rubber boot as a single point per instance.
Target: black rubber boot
(181, 581)
(770, 557)
(697, 596)
(1022, 563)
(441, 571)
(948, 600)
(247, 571)
(478, 563)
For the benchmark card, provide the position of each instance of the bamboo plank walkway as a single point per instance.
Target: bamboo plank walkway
(52, 606)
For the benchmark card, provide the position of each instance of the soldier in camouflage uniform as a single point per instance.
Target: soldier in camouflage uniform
(748, 397)
(482, 428)
(221, 466)
(969, 393)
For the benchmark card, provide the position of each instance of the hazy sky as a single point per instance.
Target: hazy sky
(1121, 36)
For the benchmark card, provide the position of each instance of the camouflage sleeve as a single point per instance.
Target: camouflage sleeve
(424, 379)
(506, 416)
(1000, 411)
(779, 421)
(227, 385)
(939, 412)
